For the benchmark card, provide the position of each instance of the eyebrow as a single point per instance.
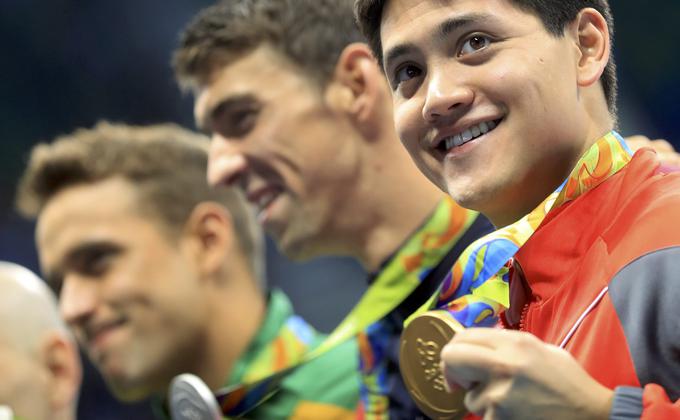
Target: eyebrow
(77, 253)
(205, 123)
(442, 32)
(450, 25)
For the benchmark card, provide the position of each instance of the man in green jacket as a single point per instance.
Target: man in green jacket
(159, 275)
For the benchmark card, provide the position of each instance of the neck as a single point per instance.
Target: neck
(66, 414)
(395, 199)
(550, 179)
(232, 327)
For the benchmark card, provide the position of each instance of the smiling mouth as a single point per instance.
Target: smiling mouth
(467, 135)
(97, 333)
(262, 201)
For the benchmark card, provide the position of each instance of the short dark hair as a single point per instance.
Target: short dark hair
(166, 162)
(311, 33)
(555, 15)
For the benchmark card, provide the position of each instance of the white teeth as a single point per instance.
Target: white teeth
(469, 134)
(262, 203)
(265, 199)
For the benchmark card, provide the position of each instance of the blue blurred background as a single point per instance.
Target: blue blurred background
(68, 63)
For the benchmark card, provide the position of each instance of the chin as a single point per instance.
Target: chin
(301, 248)
(465, 196)
(474, 197)
(435, 173)
(126, 392)
(468, 203)
(295, 251)
(129, 386)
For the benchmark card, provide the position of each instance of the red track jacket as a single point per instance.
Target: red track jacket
(601, 278)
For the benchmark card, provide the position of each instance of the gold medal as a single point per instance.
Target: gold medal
(419, 361)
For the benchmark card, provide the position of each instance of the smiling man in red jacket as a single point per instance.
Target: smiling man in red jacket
(498, 102)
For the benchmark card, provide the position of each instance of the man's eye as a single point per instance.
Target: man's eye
(97, 264)
(242, 120)
(406, 73)
(237, 123)
(56, 283)
(474, 43)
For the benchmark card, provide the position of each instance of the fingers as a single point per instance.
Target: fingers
(478, 355)
(465, 364)
(662, 147)
(493, 338)
(486, 400)
(636, 140)
(672, 159)
(513, 375)
(474, 400)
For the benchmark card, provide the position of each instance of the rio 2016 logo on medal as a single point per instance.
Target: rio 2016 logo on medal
(419, 361)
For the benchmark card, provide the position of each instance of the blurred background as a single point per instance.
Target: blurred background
(69, 63)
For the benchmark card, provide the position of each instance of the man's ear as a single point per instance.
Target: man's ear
(60, 357)
(209, 235)
(591, 32)
(358, 85)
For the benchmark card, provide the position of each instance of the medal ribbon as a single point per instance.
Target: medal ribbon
(477, 287)
(412, 263)
(402, 274)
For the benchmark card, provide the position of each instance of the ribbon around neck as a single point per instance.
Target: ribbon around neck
(402, 274)
(476, 289)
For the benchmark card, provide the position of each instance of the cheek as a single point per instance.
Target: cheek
(408, 125)
(126, 285)
(139, 288)
(544, 82)
(516, 85)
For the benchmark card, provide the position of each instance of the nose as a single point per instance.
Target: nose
(77, 300)
(446, 97)
(226, 163)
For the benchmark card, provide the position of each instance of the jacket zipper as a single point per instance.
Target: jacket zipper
(523, 317)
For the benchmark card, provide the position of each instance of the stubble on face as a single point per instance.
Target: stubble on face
(299, 165)
(135, 310)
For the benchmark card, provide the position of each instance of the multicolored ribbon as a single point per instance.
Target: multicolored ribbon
(477, 287)
(474, 292)
(287, 349)
(416, 258)
(403, 273)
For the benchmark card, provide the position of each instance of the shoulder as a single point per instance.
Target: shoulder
(326, 387)
(654, 274)
(643, 211)
(644, 294)
(336, 368)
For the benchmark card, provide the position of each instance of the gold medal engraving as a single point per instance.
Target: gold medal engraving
(429, 360)
(419, 362)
